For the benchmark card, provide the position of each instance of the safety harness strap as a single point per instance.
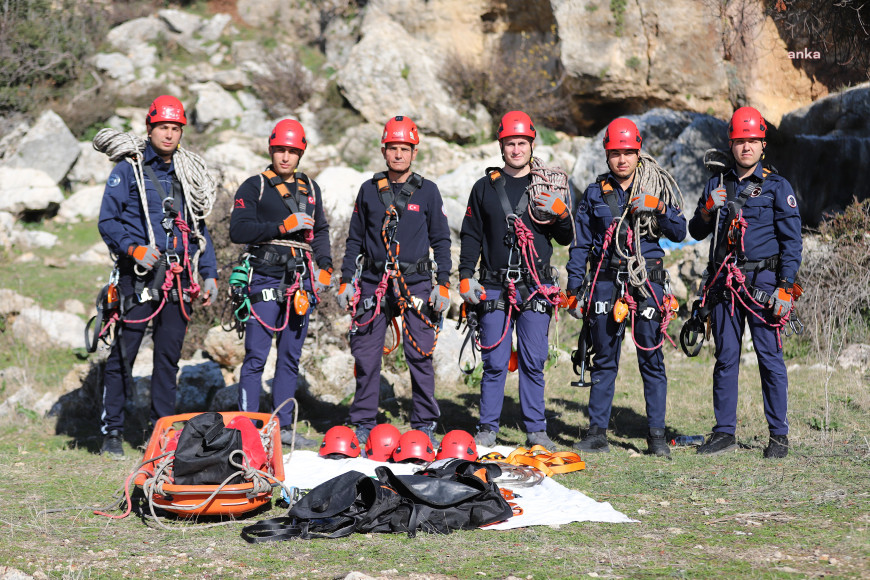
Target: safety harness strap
(385, 192)
(612, 201)
(497, 180)
(174, 205)
(735, 203)
(297, 203)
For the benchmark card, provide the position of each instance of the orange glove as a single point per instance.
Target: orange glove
(296, 222)
(439, 298)
(715, 199)
(647, 203)
(322, 279)
(345, 295)
(145, 256)
(780, 302)
(471, 291)
(548, 202)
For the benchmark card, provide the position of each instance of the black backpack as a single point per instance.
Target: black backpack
(203, 453)
(435, 501)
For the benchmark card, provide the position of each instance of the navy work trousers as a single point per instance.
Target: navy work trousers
(169, 328)
(367, 345)
(607, 338)
(258, 342)
(728, 335)
(532, 329)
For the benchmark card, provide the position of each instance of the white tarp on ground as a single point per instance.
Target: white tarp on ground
(547, 504)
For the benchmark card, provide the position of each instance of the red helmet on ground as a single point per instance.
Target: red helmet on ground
(382, 441)
(516, 123)
(414, 445)
(458, 444)
(341, 440)
(747, 123)
(400, 130)
(622, 134)
(166, 108)
(288, 133)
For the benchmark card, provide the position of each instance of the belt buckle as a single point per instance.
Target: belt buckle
(601, 306)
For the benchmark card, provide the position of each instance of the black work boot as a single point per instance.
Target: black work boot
(540, 438)
(429, 430)
(718, 443)
(485, 436)
(656, 443)
(777, 447)
(113, 445)
(595, 441)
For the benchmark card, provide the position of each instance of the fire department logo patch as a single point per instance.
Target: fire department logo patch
(240, 204)
(468, 211)
(413, 207)
(113, 180)
(791, 201)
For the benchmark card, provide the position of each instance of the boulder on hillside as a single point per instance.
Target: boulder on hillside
(91, 167)
(82, 205)
(12, 303)
(839, 114)
(39, 329)
(225, 348)
(214, 105)
(28, 191)
(339, 187)
(389, 61)
(48, 146)
(116, 66)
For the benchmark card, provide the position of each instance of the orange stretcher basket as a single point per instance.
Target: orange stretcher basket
(230, 500)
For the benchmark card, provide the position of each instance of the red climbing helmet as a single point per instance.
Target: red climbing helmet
(341, 440)
(166, 108)
(288, 133)
(414, 445)
(516, 124)
(458, 444)
(747, 123)
(622, 133)
(400, 130)
(382, 441)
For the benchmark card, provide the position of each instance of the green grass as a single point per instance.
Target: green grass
(736, 515)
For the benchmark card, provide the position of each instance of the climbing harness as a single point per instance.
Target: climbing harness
(239, 301)
(729, 265)
(393, 272)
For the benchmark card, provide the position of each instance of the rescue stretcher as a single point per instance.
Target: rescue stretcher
(210, 500)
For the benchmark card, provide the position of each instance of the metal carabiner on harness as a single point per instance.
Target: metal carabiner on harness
(360, 259)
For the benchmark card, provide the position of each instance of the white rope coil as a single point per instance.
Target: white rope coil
(651, 178)
(547, 179)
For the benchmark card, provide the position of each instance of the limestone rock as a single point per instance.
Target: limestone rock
(82, 205)
(116, 66)
(225, 348)
(12, 303)
(388, 60)
(213, 105)
(40, 328)
(48, 146)
(91, 167)
(339, 187)
(855, 355)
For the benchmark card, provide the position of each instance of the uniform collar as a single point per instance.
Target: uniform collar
(757, 174)
(615, 183)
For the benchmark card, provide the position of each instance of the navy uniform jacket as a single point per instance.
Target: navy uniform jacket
(484, 228)
(594, 217)
(255, 220)
(123, 224)
(422, 225)
(772, 219)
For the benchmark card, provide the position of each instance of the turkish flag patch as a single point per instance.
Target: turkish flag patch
(468, 211)
(240, 203)
(413, 207)
(311, 199)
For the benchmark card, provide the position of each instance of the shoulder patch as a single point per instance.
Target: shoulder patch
(240, 203)
(791, 201)
(114, 180)
(468, 211)
(413, 207)
(443, 211)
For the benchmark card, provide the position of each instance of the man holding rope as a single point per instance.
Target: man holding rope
(619, 222)
(754, 259)
(387, 274)
(152, 219)
(279, 215)
(513, 214)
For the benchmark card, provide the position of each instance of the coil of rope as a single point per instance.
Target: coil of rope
(651, 178)
(544, 179)
(199, 186)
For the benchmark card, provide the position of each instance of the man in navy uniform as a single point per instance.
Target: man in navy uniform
(387, 271)
(759, 238)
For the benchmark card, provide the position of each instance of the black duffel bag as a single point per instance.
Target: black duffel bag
(204, 449)
(437, 501)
